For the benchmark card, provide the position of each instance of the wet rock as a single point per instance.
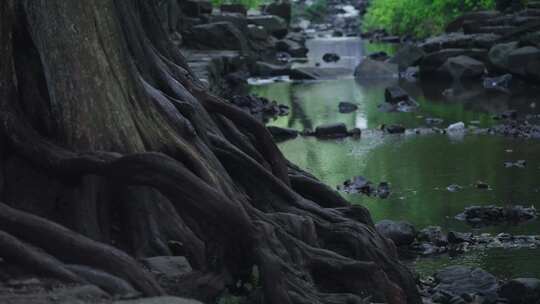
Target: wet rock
(379, 56)
(408, 55)
(434, 121)
(274, 25)
(515, 164)
(257, 32)
(400, 232)
(395, 95)
(481, 185)
(463, 67)
(373, 69)
(394, 129)
(432, 62)
(347, 107)
(281, 9)
(498, 54)
(456, 127)
(281, 134)
(459, 41)
(455, 237)
(238, 20)
(331, 130)
(479, 216)
(316, 73)
(521, 291)
(383, 190)
(465, 283)
(500, 83)
(355, 132)
(454, 188)
(168, 266)
(265, 69)
(358, 184)
(218, 35)
(260, 107)
(292, 47)
(283, 57)
(433, 235)
(233, 8)
(330, 57)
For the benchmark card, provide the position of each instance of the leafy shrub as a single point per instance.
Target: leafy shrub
(418, 17)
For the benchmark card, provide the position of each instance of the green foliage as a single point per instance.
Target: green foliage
(418, 17)
(317, 10)
(247, 3)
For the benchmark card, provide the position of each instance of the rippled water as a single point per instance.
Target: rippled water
(418, 167)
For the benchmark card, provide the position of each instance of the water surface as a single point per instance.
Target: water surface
(418, 167)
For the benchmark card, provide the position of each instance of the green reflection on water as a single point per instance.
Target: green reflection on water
(419, 168)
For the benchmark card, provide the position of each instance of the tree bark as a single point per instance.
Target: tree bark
(101, 110)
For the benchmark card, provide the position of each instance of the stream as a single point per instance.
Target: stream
(419, 168)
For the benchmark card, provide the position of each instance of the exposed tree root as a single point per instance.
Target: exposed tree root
(166, 168)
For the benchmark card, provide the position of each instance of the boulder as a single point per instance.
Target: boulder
(292, 47)
(492, 215)
(431, 63)
(274, 25)
(218, 35)
(433, 235)
(379, 56)
(265, 69)
(521, 291)
(498, 54)
(463, 67)
(238, 20)
(233, 8)
(257, 32)
(400, 232)
(408, 55)
(281, 9)
(282, 133)
(394, 129)
(373, 69)
(330, 57)
(395, 94)
(462, 281)
(459, 41)
(525, 61)
(347, 107)
(331, 130)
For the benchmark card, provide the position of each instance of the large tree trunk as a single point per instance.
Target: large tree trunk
(111, 149)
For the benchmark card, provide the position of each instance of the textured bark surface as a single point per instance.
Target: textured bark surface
(111, 149)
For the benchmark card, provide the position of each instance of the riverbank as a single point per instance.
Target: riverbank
(423, 162)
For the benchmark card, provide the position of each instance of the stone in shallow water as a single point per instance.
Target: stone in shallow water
(492, 215)
(400, 232)
(331, 130)
(282, 133)
(347, 107)
(521, 291)
(465, 282)
(330, 57)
